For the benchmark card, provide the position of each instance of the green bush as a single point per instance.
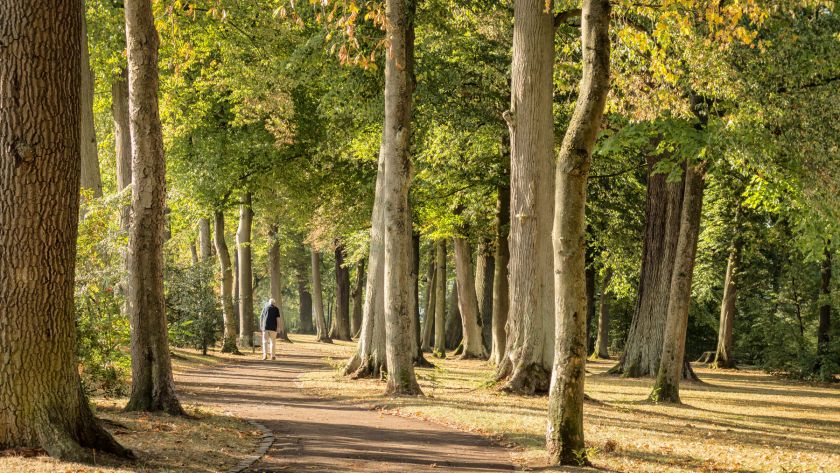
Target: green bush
(195, 316)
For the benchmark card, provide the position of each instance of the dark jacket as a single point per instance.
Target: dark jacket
(268, 318)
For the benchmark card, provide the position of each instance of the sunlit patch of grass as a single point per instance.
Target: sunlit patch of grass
(735, 421)
(204, 442)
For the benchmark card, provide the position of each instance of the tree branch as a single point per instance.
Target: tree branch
(563, 16)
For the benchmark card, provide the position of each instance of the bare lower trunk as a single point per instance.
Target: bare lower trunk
(318, 300)
(500, 279)
(304, 300)
(473, 345)
(564, 436)
(667, 385)
(236, 285)
(90, 176)
(341, 317)
(276, 281)
(824, 327)
(526, 365)
(122, 141)
(43, 404)
(419, 359)
(152, 385)
(723, 354)
(643, 348)
(429, 313)
(485, 268)
(454, 326)
(204, 243)
(226, 269)
(602, 342)
(246, 272)
(440, 299)
(358, 295)
(590, 299)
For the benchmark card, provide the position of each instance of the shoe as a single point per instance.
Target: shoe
(263, 358)
(273, 358)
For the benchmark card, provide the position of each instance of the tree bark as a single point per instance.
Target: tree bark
(454, 327)
(824, 326)
(341, 316)
(304, 298)
(236, 285)
(590, 299)
(667, 385)
(226, 269)
(122, 140)
(358, 295)
(276, 281)
(204, 244)
(501, 300)
(564, 436)
(429, 313)
(526, 366)
(473, 345)
(485, 268)
(440, 299)
(723, 355)
(643, 348)
(245, 277)
(318, 299)
(602, 342)
(43, 404)
(90, 176)
(152, 385)
(419, 359)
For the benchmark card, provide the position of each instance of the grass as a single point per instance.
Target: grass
(735, 421)
(207, 442)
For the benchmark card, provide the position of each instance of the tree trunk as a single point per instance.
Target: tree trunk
(122, 140)
(485, 268)
(467, 302)
(341, 317)
(152, 385)
(90, 177)
(667, 385)
(454, 327)
(824, 327)
(236, 286)
(318, 299)
(228, 313)
(723, 354)
(43, 404)
(564, 437)
(440, 299)
(204, 245)
(429, 313)
(419, 359)
(500, 278)
(304, 299)
(602, 342)
(590, 299)
(246, 272)
(276, 281)
(358, 295)
(193, 253)
(643, 348)
(526, 366)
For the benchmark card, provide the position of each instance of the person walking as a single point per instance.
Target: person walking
(268, 325)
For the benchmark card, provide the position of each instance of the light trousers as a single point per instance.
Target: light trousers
(269, 337)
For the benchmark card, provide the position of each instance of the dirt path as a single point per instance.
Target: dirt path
(324, 436)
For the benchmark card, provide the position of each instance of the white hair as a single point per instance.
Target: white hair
(271, 302)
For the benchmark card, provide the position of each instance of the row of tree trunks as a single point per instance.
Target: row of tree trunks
(321, 330)
(440, 299)
(246, 272)
(275, 281)
(43, 404)
(564, 436)
(471, 341)
(529, 354)
(152, 386)
(226, 268)
(341, 318)
(602, 340)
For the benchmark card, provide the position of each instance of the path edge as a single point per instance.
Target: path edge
(266, 440)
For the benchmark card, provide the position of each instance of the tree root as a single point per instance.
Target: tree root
(527, 380)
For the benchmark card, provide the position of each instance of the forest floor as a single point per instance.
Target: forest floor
(734, 421)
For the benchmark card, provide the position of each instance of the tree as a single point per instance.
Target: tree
(429, 312)
(204, 242)
(565, 402)
(440, 299)
(472, 341)
(275, 280)
(358, 299)
(90, 178)
(341, 318)
(530, 343)
(304, 301)
(318, 299)
(43, 401)
(485, 270)
(501, 301)
(152, 385)
(245, 271)
(723, 353)
(602, 340)
(226, 290)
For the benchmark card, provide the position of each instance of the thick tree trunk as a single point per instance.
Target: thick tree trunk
(226, 269)
(122, 140)
(245, 277)
(204, 243)
(152, 385)
(440, 299)
(358, 295)
(564, 437)
(90, 176)
(43, 404)
(429, 313)
(454, 327)
(526, 366)
(671, 366)
(276, 281)
(723, 354)
(643, 348)
(501, 301)
(824, 327)
(341, 317)
(304, 299)
(602, 342)
(318, 300)
(485, 268)
(473, 345)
